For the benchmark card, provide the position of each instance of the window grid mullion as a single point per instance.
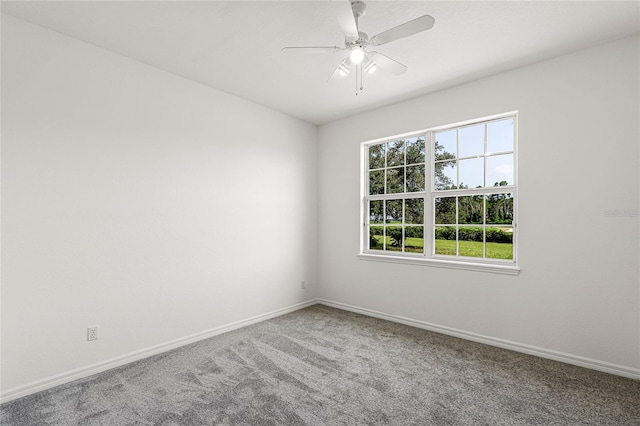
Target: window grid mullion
(384, 225)
(385, 169)
(484, 226)
(457, 158)
(428, 211)
(476, 191)
(457, 228)
(484, 197)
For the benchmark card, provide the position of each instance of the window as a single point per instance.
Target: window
(443, 196)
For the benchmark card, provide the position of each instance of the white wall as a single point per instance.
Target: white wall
(577, 295)
(140, 202)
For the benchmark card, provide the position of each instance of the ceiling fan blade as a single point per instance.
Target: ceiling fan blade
(346, 19)
(311, 49)
(343, 69)
(412, 27)
(388, 64)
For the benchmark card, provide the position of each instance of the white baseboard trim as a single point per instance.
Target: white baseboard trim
(594, 364)
(60, 379)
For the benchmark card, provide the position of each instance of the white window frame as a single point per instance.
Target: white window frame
(509, 267)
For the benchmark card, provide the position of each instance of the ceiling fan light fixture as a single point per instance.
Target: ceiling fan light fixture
(357, 55)
(345, 67)
(370, 66)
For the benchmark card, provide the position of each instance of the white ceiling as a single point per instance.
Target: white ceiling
(234, 46)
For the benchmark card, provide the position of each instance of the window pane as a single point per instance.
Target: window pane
(395, 180)
(393, 211)
(500, 170)
(471, 209)
(376, 238)
(471, 141)
(500, 136)
(445, 210)
(415, 150)
(415, 178)
(395, 153)
(500, 242)
(414, 211)
(376, 214)
(414, 239)
(445, 240)
(470, 241)
(499, 209)
(376, 156)
(445, 175)
(445, 146)
(376, 182)
(472, 173)
(394, 238)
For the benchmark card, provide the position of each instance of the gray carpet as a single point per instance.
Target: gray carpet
(323, 366)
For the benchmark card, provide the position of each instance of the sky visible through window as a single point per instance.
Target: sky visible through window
(471, 146)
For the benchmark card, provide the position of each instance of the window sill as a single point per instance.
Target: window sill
(442, 263)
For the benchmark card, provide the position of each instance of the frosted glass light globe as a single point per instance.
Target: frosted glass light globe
(357, 55)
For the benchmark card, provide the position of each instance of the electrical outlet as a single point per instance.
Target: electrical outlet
(92, 333)
(303, 285)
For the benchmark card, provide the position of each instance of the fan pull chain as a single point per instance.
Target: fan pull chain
(359, 75)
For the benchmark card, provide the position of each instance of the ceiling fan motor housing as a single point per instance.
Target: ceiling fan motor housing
(362, 41)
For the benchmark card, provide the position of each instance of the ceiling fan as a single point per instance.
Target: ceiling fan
(357, 42)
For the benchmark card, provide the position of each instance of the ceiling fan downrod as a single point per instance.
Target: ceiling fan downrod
(359, 9)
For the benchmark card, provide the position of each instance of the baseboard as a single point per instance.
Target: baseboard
(60, 379)
(619, 370)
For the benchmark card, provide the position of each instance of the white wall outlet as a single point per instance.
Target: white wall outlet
(92, 333)
(303, 285)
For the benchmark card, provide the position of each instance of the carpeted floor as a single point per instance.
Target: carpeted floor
(323, 366)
